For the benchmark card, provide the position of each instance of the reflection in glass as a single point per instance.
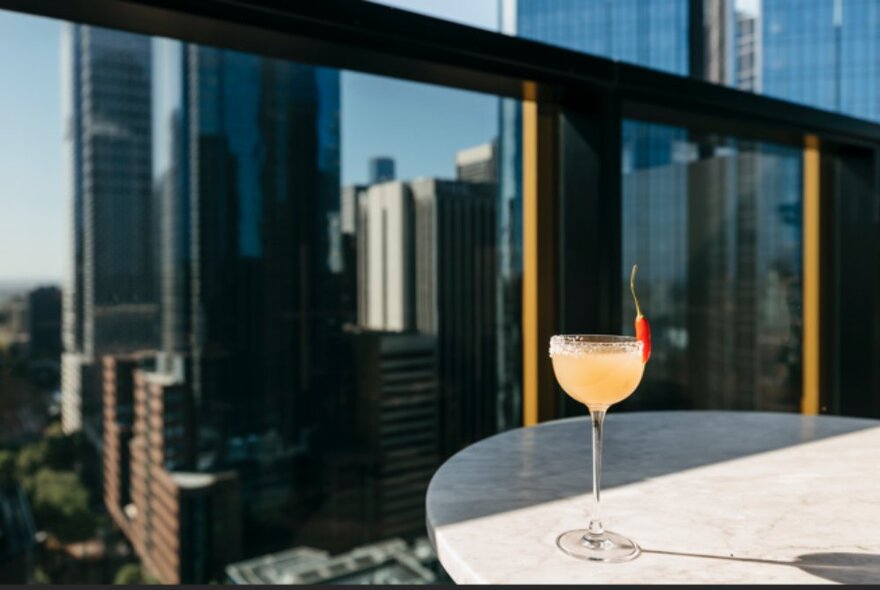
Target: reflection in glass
(716, 227)
(651, 33)
(269, 365)
(822, 53)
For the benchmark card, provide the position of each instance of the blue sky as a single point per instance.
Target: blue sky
(32, 208)
(419, 125)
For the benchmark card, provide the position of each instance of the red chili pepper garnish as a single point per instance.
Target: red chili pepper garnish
(643, 329)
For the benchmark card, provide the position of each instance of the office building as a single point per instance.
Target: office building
(748, 66)
(118, 381)
(184, 525)
(426, 268)
(478, 163)
(733, 253)
(388, 562)
(397, 426)
(109, 303)
(385, 252)
(455, 298)
(427, 264)
(349, 199)
(381, 169)
(250, 246)
(822, 54)
(44, 323)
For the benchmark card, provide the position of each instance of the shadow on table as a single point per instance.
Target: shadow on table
(551, 461)
(844, 568)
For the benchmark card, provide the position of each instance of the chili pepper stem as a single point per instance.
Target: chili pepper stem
(632, 288)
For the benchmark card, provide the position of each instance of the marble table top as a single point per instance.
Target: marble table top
(711, 497)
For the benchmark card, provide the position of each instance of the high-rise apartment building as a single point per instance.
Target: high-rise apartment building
(185, 525)
(110, 300)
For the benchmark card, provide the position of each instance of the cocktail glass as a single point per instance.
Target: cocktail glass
(597, 371)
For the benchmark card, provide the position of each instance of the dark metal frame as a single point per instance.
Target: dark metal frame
(592, 94)
(370, 37)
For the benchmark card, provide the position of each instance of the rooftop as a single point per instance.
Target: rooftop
(387, 562)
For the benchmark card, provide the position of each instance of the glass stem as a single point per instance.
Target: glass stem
(597, 417)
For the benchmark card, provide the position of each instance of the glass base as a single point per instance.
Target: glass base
(608, 547)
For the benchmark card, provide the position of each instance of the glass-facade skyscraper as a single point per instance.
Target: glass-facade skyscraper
(822, 53)
(651, 34)
(110, 302)
(713, 222)
(227, 429)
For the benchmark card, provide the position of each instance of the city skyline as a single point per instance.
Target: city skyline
(377, 114)
(289, 293)
(256, 308)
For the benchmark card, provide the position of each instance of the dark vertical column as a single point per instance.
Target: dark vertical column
(851, 284)
(590, 231)
(696, 39)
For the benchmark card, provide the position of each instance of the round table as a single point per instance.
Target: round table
(711, 497)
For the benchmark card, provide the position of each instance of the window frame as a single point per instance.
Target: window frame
(577, 103)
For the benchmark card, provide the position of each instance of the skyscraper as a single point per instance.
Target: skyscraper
(822, 53)
(109, 296)
(651, 33)
(427, 264)
(381, 169)
(246, 177)
(455, 300)
(701, 214)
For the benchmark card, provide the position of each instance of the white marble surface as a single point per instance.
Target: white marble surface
(711, 497)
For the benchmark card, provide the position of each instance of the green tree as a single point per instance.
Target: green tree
(40, 576)
(133, 573)
(62, 450)
(61, 505)
(31, 458)
(54, 450)
(130, 573)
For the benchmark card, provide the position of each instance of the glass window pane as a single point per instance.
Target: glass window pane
(651, 33)
(248, 306)
(821, 53)
(715, 226)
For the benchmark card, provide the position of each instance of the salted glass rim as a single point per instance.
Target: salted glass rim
(581, 344)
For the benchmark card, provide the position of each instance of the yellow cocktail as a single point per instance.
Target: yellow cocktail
(601, 373)
(597, 371)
